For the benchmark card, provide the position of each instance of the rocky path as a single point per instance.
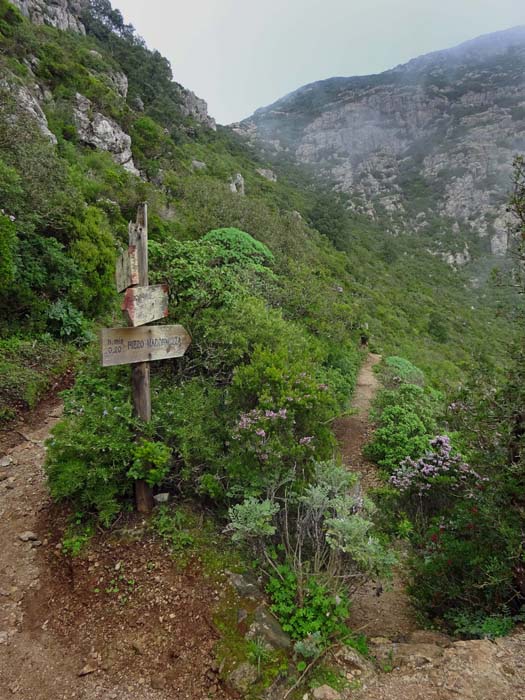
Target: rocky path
(65, 632)
(378, 611)
(414, 664)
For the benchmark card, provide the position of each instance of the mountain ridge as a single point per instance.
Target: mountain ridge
(424, 147)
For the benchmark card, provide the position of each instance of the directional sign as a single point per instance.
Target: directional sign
(125, 346)
(127, 272)
(145, 304)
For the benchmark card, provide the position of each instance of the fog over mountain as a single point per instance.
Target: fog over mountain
(426, 146)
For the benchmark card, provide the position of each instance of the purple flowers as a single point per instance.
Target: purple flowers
(438, 466)
(255, 416)
(306, 440)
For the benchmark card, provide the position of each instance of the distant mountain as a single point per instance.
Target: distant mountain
(426, 147)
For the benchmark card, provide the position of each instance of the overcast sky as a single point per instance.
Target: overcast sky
(243, 54)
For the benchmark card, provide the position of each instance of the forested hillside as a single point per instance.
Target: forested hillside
(283, 289)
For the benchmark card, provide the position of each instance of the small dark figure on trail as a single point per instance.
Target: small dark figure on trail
(364, 340)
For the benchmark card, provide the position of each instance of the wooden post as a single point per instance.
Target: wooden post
(140, 379)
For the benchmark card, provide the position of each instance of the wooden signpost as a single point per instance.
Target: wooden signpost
(145, 304)
(139, 345)
(127, 272)
(125, 346)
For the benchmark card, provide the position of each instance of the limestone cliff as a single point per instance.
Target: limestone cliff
(63, 14)
(426, 147)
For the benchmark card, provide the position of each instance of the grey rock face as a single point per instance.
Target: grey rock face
(101, 132)
(120, 81)
(434, 138)
(62, 14)
(28, 103)
(237, 184)
(193, 106)
(265, 626)
(267, 174)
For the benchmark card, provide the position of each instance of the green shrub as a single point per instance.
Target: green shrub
(468, 563)
(28, 368)
(400, 433)
(8, 243)
(396, 370)
(478, 626)
(150, 462)
(307, 611)
(91, 449)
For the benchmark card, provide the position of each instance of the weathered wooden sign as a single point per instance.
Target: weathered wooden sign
(127, 271)
(126, 346)
(139, 345)
(145, 304)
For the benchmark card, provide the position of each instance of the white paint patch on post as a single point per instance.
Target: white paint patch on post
(125, 346)
(145, 304)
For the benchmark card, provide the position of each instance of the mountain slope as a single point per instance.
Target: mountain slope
(426, 146)
(92, 123)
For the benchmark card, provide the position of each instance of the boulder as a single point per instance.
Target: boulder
(245, 585)
(99, 131)
(242, 677)
(267, 628)
(237, 184)
(161, 498)
(325, 692)
(354, 663)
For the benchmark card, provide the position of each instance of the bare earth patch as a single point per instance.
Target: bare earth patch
(124, 623)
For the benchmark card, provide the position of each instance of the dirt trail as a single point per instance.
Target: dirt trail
(420, 665)
(379, 612)
(64, 631)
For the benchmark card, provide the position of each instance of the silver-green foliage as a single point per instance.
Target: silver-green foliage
(326, 531)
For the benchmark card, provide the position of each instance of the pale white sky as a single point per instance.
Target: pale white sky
(243, 54)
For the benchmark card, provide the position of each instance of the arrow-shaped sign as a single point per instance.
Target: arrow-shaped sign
(125, 346)
(145, 304)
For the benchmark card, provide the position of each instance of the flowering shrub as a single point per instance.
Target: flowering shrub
(282, 423)
(438, 466)
(432, 482)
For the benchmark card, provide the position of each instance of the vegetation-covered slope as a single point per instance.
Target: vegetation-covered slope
(425, 147)
(275, 279)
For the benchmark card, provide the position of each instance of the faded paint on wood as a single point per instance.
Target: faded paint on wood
(127, 270)
(145, 304)
(138, 238)
(125, 346)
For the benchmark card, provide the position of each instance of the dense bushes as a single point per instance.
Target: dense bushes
(406, 416)
(249, 407)
(463, 513)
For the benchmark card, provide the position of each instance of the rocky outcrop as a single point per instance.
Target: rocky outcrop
(99, 131)
(267, 174)
(425, 147)
(193, 106)
(431, 666)
(62, 14)
(237, 184)
(27, 103)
